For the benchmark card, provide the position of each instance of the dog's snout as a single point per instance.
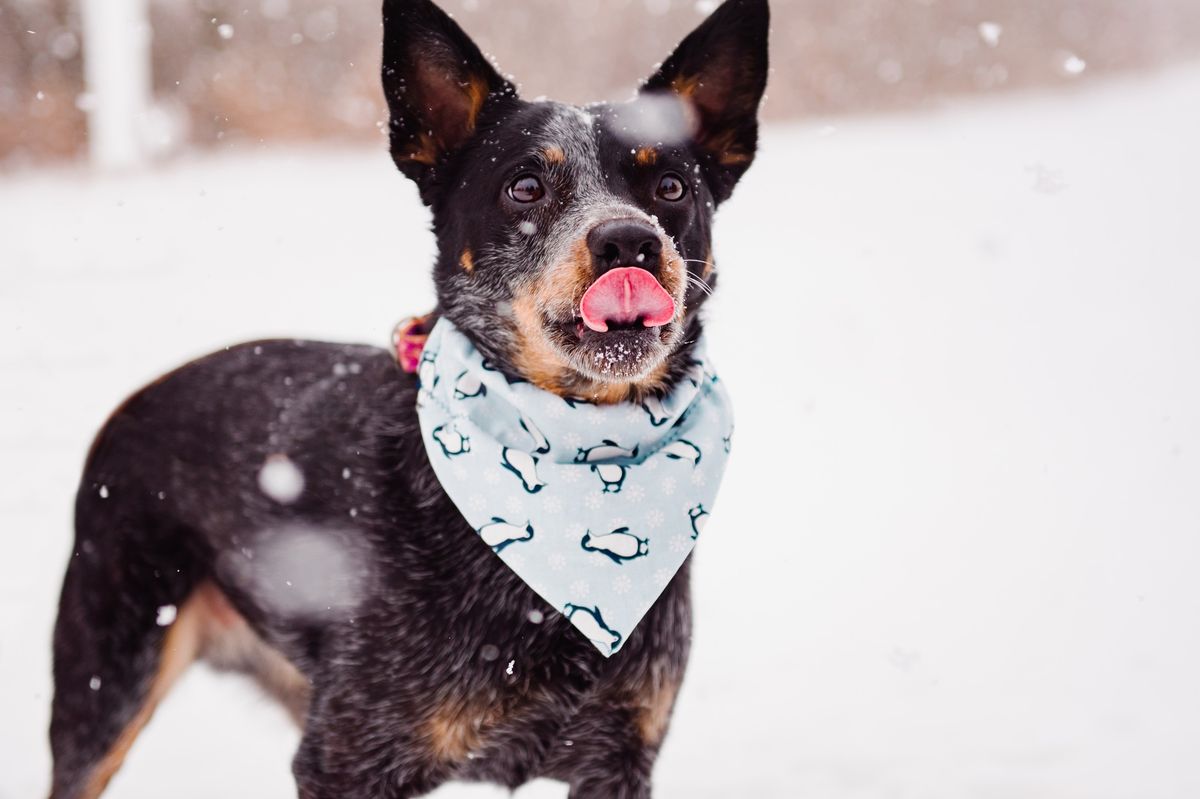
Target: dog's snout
(624, 242)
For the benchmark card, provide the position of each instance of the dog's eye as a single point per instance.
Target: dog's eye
(526, 189)
(671, 187)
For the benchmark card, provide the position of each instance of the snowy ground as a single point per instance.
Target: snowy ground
(958, 548)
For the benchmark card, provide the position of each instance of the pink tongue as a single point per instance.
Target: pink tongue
(623, 296)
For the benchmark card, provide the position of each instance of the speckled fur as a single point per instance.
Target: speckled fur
(416, 656)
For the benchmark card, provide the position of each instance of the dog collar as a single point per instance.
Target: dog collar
(595, 507)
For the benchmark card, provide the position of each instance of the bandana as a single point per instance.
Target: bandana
(595, 507)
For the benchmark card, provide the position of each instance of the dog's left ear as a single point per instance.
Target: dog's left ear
(437, 83)
(720, 71)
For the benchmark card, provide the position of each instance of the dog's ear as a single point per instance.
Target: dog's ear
(720, 71)
(436, 82)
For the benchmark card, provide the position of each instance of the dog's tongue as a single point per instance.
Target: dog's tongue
(623, 296)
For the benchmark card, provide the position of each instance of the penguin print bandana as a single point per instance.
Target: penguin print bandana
(595, 507)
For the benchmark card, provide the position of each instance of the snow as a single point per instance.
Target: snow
(280, 479)
(956, 551)
(165, 616)
(990, 33)
(1073, 65)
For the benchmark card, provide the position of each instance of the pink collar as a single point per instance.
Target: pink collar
(408, 341)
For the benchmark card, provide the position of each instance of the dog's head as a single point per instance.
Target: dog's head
(575, 243)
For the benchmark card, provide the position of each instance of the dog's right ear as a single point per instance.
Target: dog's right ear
(436, 82)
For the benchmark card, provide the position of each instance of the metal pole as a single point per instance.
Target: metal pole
(116, 54)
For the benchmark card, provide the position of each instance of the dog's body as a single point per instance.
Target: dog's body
(355, 592)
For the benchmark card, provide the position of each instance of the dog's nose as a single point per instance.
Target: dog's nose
(624, 242)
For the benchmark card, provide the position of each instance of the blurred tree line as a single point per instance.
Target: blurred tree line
(248, 70)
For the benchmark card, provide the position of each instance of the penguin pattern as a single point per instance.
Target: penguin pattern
(468, 386)
(540, 445)
(591, 624)
(699, 517)
(604, 451)
(619, 546)
(612, 475)
(587, 504)
(653, 407)
(524, 466)
(682, 450)
(452, 442)
(427, 376)
(499, 534)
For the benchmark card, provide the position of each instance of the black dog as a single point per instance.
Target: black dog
(361, 598)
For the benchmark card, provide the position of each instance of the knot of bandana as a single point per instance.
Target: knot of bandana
(595, 507)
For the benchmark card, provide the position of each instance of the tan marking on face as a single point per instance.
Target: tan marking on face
(647, 156)
(535, 357)
(467, 261)
(709, 266)
(558, 293)
(554, 155)
(654, 711)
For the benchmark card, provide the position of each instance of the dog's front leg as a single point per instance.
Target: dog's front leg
(360, 756)
(626, 781)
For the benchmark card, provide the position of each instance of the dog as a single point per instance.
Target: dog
(342, 578)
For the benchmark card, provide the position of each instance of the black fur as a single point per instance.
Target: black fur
(406, 621)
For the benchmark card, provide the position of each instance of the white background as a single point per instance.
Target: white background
(956, 554)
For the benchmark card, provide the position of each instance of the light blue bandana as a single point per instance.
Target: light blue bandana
(594, 507)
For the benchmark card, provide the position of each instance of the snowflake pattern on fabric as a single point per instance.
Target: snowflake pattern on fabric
(594, 507)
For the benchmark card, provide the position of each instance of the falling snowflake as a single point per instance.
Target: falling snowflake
(622, 584)
(1072, 64)
(655, 519)
(990, 33)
